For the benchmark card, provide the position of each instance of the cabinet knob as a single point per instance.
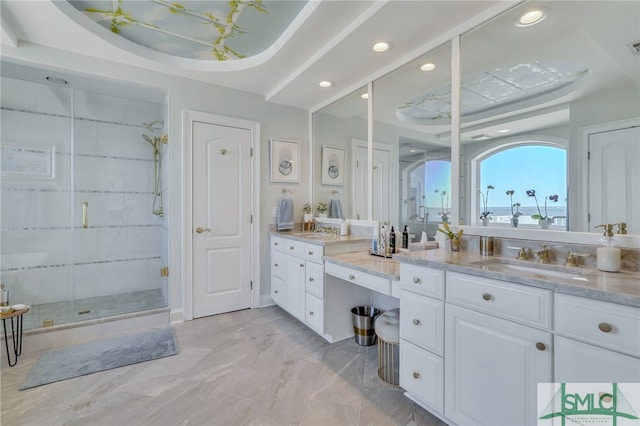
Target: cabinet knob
(276, 244)
(302, 265)
(416, 321)
(416, 375)
(604, 327)
(310, 312)
(352, 277)
(311, 279)
(310, 253)
(275, 264)
(486, 296)
(416, 280)
(541, 346)
(291, 247)
(275, 291)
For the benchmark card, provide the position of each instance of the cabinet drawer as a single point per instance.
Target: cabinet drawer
(293, 247)
(277, 243)
(422, 321)
(277, 287)
(314, 252)
(519, 303)
(605, 324)
(314, 315)
(422, 280)
(277, 264)
(314, 279)
(364, 279)
(422, 375)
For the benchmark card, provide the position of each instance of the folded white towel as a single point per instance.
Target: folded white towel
(335, 208)
(284, 218)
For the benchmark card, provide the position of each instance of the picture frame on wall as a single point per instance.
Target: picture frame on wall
(333, 165)
(285, 160)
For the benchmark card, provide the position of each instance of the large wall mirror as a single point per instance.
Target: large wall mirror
(530, 92)
(535, 100)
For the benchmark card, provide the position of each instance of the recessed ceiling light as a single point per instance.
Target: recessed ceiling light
(533, 16)
(428, 67)
(380, 47)
(57, 80)
(504, 130)
(324, 84)
(365, 96)
(412, 150)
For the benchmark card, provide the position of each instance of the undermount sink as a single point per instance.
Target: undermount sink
(538, 270)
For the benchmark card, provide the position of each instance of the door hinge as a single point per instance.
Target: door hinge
(251, 219)
(588, 217)
(250, 152)
(251, 284)
(588, 155)
(164, 271)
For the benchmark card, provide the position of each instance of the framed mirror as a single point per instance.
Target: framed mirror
(537, 98)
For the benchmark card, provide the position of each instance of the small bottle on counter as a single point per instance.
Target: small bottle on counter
(608, 256)
(392, 241)
(344, 228)
(405, 237)
(4, 296)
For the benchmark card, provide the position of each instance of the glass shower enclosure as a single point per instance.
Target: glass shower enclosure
(82, 194)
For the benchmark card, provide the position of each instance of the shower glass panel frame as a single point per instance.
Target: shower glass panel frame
(81, 237)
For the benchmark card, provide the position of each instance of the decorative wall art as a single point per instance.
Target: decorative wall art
(332, 165)
(285, 160)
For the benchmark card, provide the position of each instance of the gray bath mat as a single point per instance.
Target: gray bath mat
(74, 361)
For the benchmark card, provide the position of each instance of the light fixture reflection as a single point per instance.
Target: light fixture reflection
(365, 96)
(428, 67)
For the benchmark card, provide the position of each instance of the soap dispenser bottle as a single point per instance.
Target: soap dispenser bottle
(608, 254)
(4, 296)
(405, 237)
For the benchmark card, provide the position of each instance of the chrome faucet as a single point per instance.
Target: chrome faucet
(542, 255)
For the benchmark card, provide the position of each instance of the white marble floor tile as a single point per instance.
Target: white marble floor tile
(253, 367)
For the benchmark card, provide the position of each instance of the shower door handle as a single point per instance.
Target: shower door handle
(85, 214)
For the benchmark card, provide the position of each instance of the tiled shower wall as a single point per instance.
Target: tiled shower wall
(60, 148)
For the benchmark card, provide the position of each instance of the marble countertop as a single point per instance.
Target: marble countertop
(318, 237)
(363, 261)
(622, 287)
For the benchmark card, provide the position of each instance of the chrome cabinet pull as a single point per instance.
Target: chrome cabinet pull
(302, 265)
(275, 264)
(416, 322)
(310, 279)
(352, 277)
(310, 253)
(541, 346)
(291, 247)
(85, 214)
(486, 296)
(604, 327)
(310, 312)
(416, 280)
(416, 375)
(275, 291)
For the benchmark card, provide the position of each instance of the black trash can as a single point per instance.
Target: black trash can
(364, 319)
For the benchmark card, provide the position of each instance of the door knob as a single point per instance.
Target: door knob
(200, 229)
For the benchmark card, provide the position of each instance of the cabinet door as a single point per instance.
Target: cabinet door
(315, 313)
(577, 362)
(422, 321)
(277, 290)
(294, 286)
(492, 368)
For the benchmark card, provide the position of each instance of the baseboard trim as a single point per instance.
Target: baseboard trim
(266, 300)
(176, 316)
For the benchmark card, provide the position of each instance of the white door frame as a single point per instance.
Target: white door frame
(188, 117)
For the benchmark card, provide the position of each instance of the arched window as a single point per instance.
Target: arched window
(522, 168)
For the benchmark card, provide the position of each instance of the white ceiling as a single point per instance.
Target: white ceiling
(329, 40)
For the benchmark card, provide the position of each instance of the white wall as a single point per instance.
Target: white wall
(276, 121)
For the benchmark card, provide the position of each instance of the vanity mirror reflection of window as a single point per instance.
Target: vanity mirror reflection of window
(519, 167)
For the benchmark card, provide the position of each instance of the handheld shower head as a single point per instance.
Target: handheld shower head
(147, 138)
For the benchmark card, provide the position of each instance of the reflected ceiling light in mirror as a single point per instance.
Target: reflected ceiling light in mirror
(533, 16)
(324, 84)
(365, 96)
(428, 67)
(504, 130)
(380, 47)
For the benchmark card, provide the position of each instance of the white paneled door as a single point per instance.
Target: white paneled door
(613, 175)
(221, 218)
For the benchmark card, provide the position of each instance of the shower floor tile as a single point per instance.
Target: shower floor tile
(93, 307)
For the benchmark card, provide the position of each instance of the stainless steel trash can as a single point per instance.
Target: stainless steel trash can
(388, 332)
(364, 324)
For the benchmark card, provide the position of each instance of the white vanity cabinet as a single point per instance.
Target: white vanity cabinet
(422, 335)
(297, 279)
(494, 359)
(596, 342)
